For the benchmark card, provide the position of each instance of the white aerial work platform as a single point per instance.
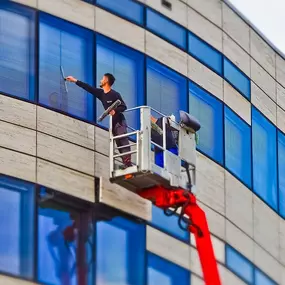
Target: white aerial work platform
(145, 173)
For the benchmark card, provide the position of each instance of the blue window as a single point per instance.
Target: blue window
(120, 249)
(239, 265)
(127, 66)
(238, 146)
(209, 111)
(281, 171)
(17, 227)
(168, 224)
(166, 90)
(166, 28)
(61, 252)
(236, 78)
(205, 53)
(262, 279)
(65, 49)
(126, 8)
(17, 42)
(161, 271)
(264, 158)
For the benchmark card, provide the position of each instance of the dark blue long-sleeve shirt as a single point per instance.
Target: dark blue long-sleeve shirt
(107, 100)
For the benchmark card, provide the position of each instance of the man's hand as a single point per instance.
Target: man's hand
(71, 79)
(112, 113)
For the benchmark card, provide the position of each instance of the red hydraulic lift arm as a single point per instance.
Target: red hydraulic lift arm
(197, 224)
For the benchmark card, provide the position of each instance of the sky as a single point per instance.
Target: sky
(267, 16)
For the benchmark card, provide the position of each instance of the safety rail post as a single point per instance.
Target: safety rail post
(111, 150)
(145, 139)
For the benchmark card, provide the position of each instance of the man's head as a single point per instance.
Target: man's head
(108, 79)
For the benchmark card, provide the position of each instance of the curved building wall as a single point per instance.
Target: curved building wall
(199, 56)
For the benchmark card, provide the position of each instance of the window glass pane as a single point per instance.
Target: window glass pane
(120, 249)
(262, 279)
(166, 90)
(17, 39)
(205, 53)
(238, 146)
(17, 227)
(168, 224)
(166, 28)
(240, 81)
(164, 272)
(62, 256)
(239, 265)
(264, 158)
(209, 112)
(127, 66)
(67, 46)
(281, 171)
(126, 8)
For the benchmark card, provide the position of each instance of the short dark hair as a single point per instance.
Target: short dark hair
(111, 78)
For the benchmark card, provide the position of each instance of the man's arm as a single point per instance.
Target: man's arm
(94, 91)
(122, 107)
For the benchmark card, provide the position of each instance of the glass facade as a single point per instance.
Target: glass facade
(209, 111)
(238, 146)
(254, 154)
(65, 49)
(244, 269)
(165, 28)
(236, 78)
(166, 90)
(127, 9)
(264, 152)
(161, 271)
(205, 53)
(17, 56)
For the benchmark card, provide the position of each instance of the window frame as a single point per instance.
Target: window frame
(63, 25)
(140, 23)
(269, 123)
(226, 107)
(248, 98)
(221, 59)
(173, 43)
(32, 15)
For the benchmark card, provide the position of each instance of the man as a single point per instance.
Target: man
(158, 139)
(108, 96)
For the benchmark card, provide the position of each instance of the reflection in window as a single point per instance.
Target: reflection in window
(281, 171)
(168, 224)
(127, 67)
(205, 53)
(126, 8)
(239, 265)
(209, 112)
(166, 90)
(236, 78)
(264, 158)
(238, 146)
(65, 49)
(166, 28)
(17, 227)
(164, 272)
(17, 39)
(120, 249)
(63, 258)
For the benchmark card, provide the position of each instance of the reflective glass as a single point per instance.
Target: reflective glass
(17, 50)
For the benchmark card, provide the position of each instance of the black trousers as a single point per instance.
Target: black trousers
(120, 129)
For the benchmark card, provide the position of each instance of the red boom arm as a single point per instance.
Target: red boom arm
(165, 198)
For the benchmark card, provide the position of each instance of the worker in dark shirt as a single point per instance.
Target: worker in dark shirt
(108, 96)
(158, 139)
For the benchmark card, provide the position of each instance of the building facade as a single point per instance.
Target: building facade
(194, 55)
